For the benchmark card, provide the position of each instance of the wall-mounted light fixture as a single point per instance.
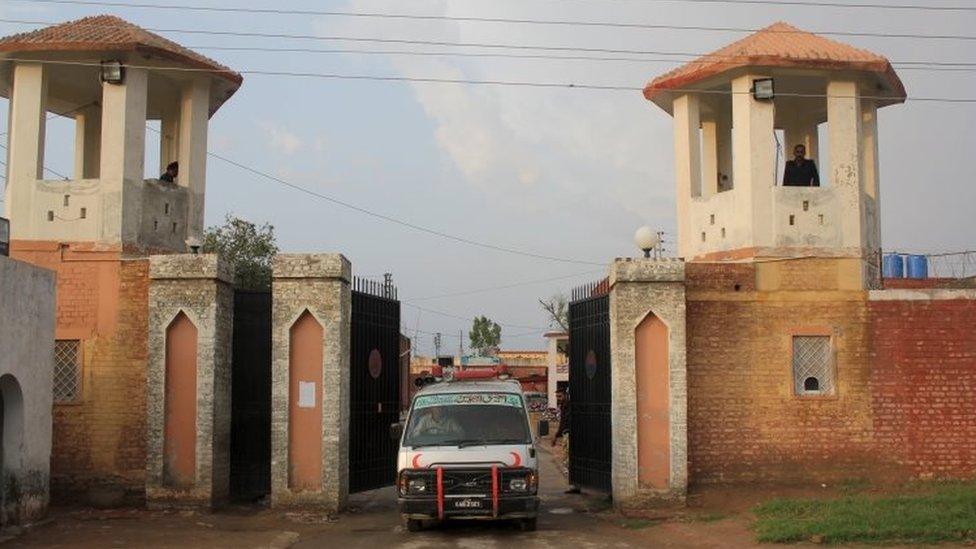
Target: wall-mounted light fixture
(113, 72)
(4, 236)
(763, 89)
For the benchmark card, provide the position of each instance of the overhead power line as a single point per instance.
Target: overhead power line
(962, 67)
(845, 5)
(480, 19)
(516, 83)
(394, 220)
(507, 286)
(485, 45)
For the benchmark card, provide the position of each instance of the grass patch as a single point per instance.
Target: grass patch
(637, 523)
(710, 517)
(946, 513)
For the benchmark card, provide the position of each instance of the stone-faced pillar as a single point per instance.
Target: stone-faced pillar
(311, 315)
(647, 346)
(191, 308)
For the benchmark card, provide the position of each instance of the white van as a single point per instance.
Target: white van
(467, 452)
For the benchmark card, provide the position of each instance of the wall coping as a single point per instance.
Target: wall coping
(190, 266)
(647, 270)
(921, 294)
(334, 266)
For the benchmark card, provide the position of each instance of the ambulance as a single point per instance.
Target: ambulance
(467, 451)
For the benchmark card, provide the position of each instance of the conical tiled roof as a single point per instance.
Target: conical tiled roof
(779, 45)
(108, 33)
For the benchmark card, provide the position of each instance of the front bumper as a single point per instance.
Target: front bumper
(509, 507)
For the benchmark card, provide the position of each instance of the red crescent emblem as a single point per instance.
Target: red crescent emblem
(416, 461)
(518, 459)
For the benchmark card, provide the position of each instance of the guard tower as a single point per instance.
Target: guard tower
(739, 111)
(111, 77)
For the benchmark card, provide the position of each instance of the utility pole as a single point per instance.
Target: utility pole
(460, 343)
(388, 285)
(437, 346)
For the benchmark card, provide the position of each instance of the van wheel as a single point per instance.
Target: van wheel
(414, 525)
(527, 525)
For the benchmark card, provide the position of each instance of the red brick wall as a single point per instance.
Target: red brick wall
(102, 300)
(905, 404)
(924, 384)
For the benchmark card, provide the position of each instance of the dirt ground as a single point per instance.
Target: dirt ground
(713, 518)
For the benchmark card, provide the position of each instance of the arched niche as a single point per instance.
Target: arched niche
(180, 406)
(305, 357)
(653, 403)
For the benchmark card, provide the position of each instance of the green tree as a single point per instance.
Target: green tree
(485, 336)
(247, 247)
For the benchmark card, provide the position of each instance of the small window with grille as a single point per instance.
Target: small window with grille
(813, 369)
(67, 371)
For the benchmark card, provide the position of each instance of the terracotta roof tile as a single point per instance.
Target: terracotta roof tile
(778, 45)
(110, 33)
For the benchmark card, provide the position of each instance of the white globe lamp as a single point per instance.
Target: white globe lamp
(646, 239)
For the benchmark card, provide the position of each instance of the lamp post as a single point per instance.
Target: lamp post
(647, 239)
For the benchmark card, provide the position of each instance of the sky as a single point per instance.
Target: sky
(559, 172)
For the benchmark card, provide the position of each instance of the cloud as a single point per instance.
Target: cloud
(281, 140)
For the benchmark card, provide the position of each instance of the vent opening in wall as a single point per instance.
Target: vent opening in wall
(155, 225)
(703, 236)
(821, 219)
(174, 226)
(83, 214)
(50, 215)
(711, 219)
(792, 219)
(67, 200)
(806, 205)
(166, 208)
(723, 232)
(813, 366)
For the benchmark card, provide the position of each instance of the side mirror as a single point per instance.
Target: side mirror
(396, 431)
(543, 428)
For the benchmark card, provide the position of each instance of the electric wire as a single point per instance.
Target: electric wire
(481, 19)
(489, 82)
(711, 57)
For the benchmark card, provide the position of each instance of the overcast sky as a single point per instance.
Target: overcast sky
(568, 173)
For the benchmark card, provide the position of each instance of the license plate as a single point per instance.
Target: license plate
(467, 504)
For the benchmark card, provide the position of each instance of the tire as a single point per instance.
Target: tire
(414, 525)
(528, 525)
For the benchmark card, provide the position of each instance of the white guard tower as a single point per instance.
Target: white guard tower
(729, 156)
(111, 77)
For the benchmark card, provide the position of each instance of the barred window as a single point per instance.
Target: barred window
(813, 372)
(67, 370)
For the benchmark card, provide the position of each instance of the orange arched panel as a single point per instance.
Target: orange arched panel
(305, 404)
(653, 431)
(180, 407)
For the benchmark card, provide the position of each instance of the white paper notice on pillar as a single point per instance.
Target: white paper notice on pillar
(306, 394)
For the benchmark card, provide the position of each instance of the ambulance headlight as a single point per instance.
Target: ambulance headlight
(416, 486)
(518, 485)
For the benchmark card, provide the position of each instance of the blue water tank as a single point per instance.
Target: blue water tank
(918, 266)
(892, 266)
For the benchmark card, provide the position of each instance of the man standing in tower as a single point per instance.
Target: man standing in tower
(800, 172)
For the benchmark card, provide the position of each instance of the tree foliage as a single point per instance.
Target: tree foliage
(485, 336)
(247, 247)
(557, 307)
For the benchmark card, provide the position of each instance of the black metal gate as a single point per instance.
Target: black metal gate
(589, 387)
(374, 382)
(250, 432)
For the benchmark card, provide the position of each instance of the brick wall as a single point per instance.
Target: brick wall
(905, 405)
(924, 379)
(99, 440)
